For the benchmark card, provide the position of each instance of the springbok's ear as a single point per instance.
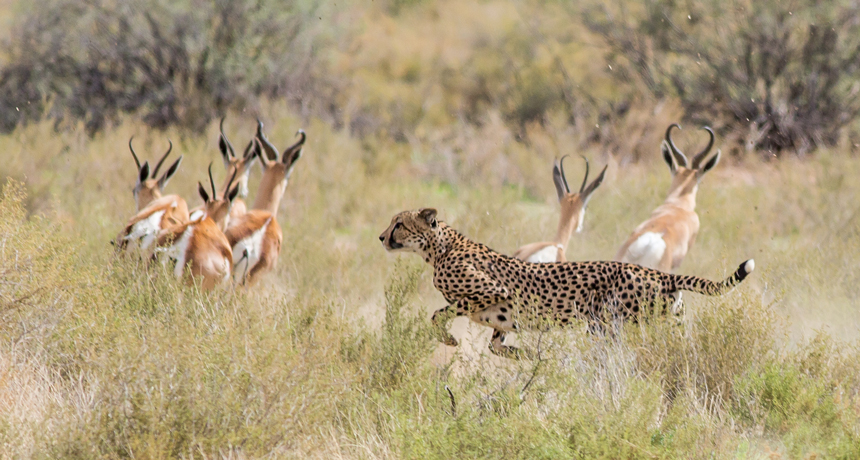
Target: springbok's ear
(250, 154)
(202, 191)
(428, 215)
(234, 192)
(294, 152)
(258, 152)
(169, 173)
(557, 180)
(712, 162)
(667, 156)
(594, 184)
(143, 173)
(222, 146)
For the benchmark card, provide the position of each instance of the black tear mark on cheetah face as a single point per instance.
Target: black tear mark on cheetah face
(410, 231)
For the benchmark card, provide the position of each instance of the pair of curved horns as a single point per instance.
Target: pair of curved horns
(564, 178)
(212, 184)
(160, 162)
(271, 151)
(227, 147)
(680, 157)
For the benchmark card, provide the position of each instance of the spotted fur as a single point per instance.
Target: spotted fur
(500, 291)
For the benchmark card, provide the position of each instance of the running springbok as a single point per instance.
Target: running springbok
(201, 243)
(148, 189)
(155, 212)
(572, 214)
(241, 166)
(662, 241)
(256, 236)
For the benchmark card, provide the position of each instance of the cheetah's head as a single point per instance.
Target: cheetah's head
(410, 231)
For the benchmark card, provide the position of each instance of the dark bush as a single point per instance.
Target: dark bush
(779, 76)
(169, 62)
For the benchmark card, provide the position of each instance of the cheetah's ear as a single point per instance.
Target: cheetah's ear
(429, 216)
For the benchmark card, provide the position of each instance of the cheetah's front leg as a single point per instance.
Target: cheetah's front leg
(443, 316)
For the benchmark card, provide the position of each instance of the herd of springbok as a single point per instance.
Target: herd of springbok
(662, 241)
(222, 240)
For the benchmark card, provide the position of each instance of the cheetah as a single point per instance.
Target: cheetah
(496, 290)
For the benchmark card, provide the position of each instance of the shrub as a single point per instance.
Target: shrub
(169, 62)
(781, 76)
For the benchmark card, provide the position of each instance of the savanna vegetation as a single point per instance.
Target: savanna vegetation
(461, 106)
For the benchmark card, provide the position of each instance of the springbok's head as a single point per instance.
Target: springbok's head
(148, 188)
(573, 204)
(241, 165)
(276, 173)
(685, 179)
(219, 208)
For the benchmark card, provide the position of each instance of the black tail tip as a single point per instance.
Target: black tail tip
(745, 269)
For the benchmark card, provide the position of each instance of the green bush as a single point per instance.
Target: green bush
(779, 76)
(169, 63)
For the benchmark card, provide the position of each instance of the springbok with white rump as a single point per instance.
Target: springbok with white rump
(572, 214)
(662, 241)
(155, 212)
(256, 236)
(201, 243)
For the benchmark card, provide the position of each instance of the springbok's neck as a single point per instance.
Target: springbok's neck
(241, 179)
(269, 195)
(684, 198)
(682, 194)
(569, 222)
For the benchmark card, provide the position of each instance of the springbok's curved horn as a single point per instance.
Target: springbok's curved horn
(155, 171)
(584, 179)
(679, 157)
(269, 149)
(212, 183)
(230, 184)
(298, 143)
(563, 177)
(229, 147)
(701, 155)
(136, 160)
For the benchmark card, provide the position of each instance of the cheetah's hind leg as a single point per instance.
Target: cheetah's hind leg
(498, 348)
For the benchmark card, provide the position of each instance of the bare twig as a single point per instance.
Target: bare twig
(453, 403)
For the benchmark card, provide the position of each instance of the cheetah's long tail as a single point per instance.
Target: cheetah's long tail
(708, 287)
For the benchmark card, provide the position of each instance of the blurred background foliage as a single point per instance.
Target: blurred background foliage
(772, 77)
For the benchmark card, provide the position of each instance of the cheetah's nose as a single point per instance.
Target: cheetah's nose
(381, 238)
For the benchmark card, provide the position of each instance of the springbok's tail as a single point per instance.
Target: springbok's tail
(708, 287)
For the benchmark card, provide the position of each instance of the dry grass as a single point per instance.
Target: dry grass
(333, 356)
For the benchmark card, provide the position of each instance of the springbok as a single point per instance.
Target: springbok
(256, 236)
(662, 241)
(148, 189)
(241, 166)
(201, 242)
(155, 212)
(572, 214)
